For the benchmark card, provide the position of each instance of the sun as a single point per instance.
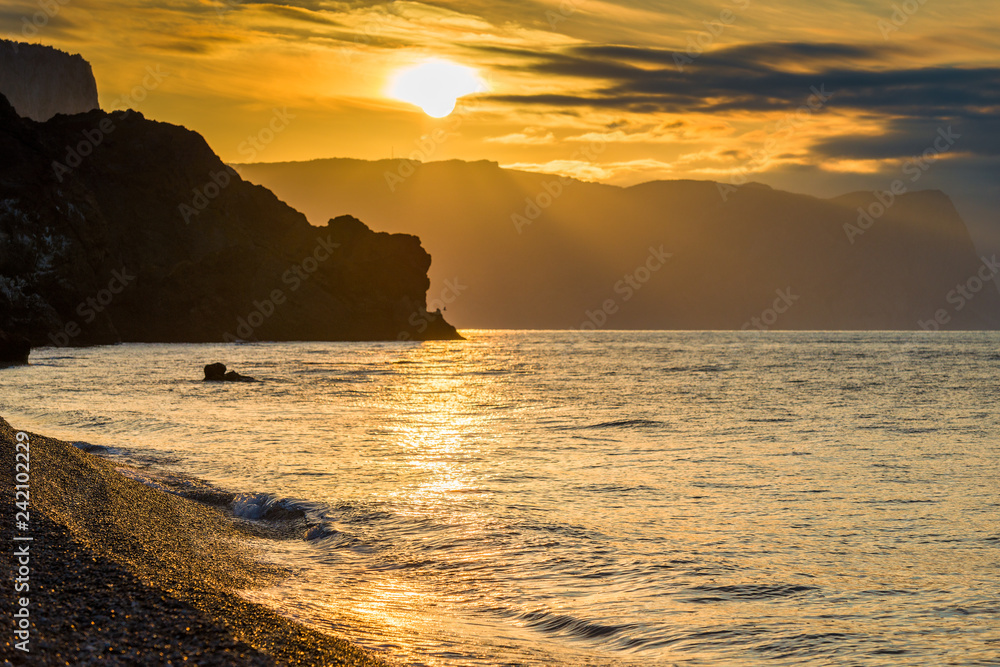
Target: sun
(435, 86)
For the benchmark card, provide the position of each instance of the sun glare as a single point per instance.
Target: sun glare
(435, 86)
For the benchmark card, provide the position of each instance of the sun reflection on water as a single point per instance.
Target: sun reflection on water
(643, 498)
(433, 416)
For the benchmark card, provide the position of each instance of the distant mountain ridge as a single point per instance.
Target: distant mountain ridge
(114, 228)
(539, 251)
(41, 81)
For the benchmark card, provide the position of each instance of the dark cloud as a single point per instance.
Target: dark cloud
(190, 46)
(34, 21)
(975, 135)
(763, 77)
(745, 55)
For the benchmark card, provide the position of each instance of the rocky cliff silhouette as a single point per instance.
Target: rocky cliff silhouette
(40, 81)
(117, 228)
(536, 251)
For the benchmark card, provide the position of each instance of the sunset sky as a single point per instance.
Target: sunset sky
(616, 92)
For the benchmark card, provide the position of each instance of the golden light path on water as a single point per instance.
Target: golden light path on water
(626, 498)
(427, 415)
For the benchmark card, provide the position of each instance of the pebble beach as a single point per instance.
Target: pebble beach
(123, 574)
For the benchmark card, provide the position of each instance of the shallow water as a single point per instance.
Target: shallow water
(635, 498)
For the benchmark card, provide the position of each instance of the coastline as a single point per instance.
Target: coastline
(121, 573)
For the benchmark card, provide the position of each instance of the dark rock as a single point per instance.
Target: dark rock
(130, 228)
(41, 81)
(217, 373)
(14, 350)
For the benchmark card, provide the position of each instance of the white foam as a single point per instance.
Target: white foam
(252, 506)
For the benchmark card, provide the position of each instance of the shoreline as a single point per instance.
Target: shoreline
(122, 573)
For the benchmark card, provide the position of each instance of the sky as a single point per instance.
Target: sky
(816, 99)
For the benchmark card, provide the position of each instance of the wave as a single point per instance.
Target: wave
(566, 624)
(898, 501)
(91, 448)
(704, 368)
(265, 507)
(709, 593)
(624, 423)
(284, 517)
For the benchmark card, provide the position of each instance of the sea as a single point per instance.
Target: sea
(584, 498)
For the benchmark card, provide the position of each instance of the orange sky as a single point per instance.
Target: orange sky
(618, 92)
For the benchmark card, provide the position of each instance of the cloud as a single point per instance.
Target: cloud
(759, 78)
(529, 136)
(625, 173)
(32, 24)
(298, 14)
(626, 132)
(908, 137)
(747, 55)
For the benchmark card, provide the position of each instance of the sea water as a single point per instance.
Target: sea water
(599, 498)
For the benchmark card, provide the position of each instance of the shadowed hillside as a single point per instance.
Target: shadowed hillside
(535, 251)
(114, 228)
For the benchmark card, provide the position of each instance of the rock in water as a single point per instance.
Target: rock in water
(14, 350)
(217, 373)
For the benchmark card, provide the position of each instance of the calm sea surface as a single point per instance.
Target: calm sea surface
(633, 498)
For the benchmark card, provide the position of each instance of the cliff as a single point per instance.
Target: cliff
(114, 228)
(40, 81)
(538, 251)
